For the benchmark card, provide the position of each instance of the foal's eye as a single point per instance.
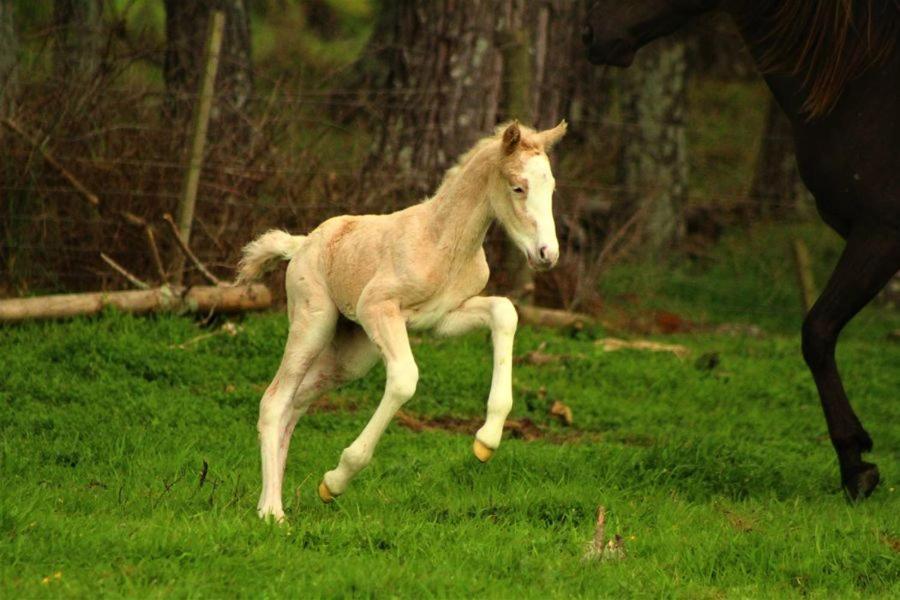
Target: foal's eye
(518, 190)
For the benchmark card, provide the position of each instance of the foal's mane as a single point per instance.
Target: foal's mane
(826, 42)
(527, 141)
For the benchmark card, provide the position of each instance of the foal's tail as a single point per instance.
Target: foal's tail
(261, 252)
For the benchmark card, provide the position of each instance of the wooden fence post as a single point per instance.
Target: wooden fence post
(804, 274)
(198, 135)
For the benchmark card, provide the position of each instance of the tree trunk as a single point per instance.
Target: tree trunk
(77, 39)
(654, 168)
(539, 43)
(777, 186)
(186, 27)
(439, 82)
(9, 48)
(561, 76)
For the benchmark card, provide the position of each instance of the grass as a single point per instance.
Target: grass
(722, 481)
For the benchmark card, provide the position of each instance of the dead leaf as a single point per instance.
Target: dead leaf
(562, 411)
(613, 344)
(891, 541)
(671, 323)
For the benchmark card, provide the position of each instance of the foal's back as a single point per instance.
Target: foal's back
(353, 252)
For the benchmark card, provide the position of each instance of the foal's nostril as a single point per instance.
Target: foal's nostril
(587, 34)
(544, 251)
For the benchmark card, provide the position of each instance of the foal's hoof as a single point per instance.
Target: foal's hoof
(861, 481)
(271, 516)
(325, 494)
(482, 452)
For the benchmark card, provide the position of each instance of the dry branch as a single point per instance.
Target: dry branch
(125, 273)
(138, 221)
(196, 299)
(76, 183)
(187, 252)
(612, 344)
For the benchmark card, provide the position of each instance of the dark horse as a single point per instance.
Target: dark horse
(834, 68)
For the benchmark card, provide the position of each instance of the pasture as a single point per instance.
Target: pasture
(130, 466)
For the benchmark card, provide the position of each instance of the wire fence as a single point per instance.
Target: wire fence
(125, 152)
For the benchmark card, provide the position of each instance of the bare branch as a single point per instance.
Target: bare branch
(125, 273)
(187, 252)
(76, 183)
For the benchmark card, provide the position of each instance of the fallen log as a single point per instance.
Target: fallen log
(225, 299)
(552, 317)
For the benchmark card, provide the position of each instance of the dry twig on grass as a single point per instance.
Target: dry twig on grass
(597, 549)
(613, 344)
(228, 328)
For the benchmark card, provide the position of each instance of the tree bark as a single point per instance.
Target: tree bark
(438, 83)
(77, 39)
(777, 187)
(654, 167)
(444, 73)
(186, 27)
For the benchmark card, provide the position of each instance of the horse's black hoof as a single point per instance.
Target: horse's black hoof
(860, 481)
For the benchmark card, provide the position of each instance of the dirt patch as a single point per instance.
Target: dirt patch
(892, 542)
(522, 429)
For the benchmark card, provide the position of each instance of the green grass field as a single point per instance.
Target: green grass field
(722, 482)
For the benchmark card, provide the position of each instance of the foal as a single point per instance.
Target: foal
(356, 283)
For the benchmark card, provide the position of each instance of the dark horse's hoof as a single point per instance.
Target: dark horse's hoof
(861, 480)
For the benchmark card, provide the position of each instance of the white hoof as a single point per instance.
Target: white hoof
(270, 513)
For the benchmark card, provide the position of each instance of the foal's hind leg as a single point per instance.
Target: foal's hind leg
(868, 262)
(387, 328)
(313, 319)
(349, 356)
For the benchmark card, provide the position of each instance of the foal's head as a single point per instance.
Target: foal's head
(523, 200)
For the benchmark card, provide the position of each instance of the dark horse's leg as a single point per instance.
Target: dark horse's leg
(870, 259)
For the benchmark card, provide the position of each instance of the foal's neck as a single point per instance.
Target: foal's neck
(461, 211)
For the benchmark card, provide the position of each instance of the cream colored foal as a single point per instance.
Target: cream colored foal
(357, 283)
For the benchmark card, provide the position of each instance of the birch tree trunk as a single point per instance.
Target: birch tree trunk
(654, 167)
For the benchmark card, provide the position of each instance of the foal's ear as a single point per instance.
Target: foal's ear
(549, 137)
(511, 137)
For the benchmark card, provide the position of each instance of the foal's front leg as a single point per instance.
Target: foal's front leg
(386, 327)
(500, 315)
